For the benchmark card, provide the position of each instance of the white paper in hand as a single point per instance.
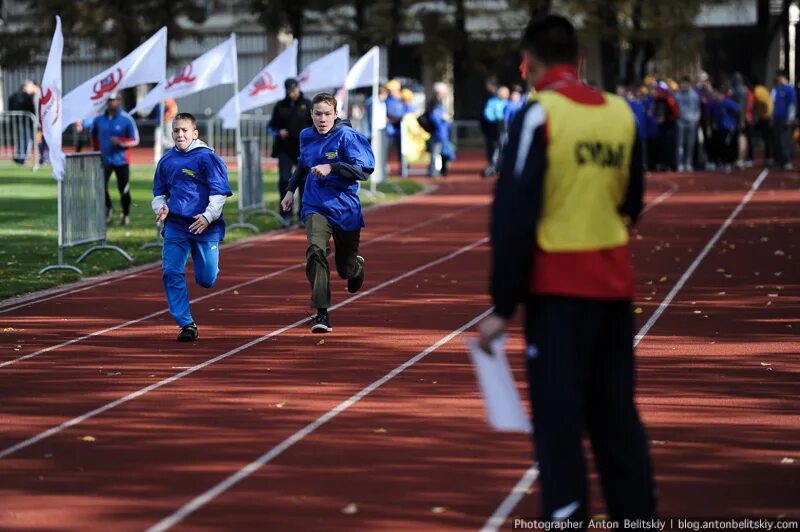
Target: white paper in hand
(500, 397)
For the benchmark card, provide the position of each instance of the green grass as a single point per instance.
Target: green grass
(29, 230)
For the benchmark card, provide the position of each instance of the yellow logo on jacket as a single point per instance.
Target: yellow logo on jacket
(188, 172)
(331, 154)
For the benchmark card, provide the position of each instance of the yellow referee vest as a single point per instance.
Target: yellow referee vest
(589, 149)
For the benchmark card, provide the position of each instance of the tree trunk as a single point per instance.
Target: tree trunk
(461, 51)
(361, 40)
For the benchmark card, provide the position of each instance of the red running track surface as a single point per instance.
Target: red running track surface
(121, 428)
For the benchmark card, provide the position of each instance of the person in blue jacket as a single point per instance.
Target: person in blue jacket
(190, 187)
(334, 157)
(115, 131)
(723, 113)
(439, 144)
(784, 99)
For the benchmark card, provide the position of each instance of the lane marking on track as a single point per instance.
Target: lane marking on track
(276, 451)
(223, 291)
(700, 257)
(499, 517)
(112, 277)
(142, 391)
(663, 196)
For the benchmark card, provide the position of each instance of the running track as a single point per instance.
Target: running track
(107, 423)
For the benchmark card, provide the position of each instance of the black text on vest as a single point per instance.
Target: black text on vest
(599, 153)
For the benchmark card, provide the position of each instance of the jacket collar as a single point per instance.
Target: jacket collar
(558, 76)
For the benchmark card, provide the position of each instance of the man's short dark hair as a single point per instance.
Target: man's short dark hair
(186, 116)
(552, 38)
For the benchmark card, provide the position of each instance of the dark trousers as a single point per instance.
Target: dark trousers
(782, 141)
(318, 234)
(123, 184)
(764, 130)
(580, 366)
(286, 166)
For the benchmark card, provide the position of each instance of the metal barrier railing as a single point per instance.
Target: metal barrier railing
(19, 136)
(81, 209)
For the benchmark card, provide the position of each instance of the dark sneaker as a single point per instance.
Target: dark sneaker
(188, 333)
(354, 284)
(321, 323)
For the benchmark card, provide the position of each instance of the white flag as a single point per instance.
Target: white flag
(264, 89)
(365, 72)
(50, 103)
(215, 67)
(327, 72)
(146, 64)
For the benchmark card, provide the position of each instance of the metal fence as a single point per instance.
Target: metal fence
(224, 140)
(81, 209)
(19, 137)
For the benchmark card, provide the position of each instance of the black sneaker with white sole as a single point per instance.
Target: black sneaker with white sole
(188, 333)
(354, 284)
(321, 323)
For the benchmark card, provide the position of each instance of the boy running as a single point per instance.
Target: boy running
(334, 157)
(190, 188)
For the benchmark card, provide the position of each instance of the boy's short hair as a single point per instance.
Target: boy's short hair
(186, 116)
(324, 97)
(553, 39)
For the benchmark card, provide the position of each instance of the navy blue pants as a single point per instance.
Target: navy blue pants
(581, 380)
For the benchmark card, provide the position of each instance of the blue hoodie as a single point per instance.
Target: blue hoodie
(335, 196)
(187, 179)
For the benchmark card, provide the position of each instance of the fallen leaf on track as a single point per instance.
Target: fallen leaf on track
(350, 509)
(321, 342)
(787, 461)
(380, 431)
(89, 438)
(438, 509)
(281, 404)
(638, 310)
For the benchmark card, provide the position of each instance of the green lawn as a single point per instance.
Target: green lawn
(29, 231)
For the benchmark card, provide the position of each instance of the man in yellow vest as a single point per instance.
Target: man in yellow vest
(571, 181)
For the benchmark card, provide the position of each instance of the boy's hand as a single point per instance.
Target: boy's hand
(321, 170)
(287, 201)
(162, 214)
(199, 225)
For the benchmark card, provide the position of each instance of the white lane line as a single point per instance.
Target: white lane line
(498, 518)
(663, 196)
(113, 277)
(276, 451)
(138, 393)
(700, 257)
(219, 292)
(504, 510)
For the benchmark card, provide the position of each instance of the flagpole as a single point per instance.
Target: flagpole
(238, 134)
(159, 134)
(376, 144)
